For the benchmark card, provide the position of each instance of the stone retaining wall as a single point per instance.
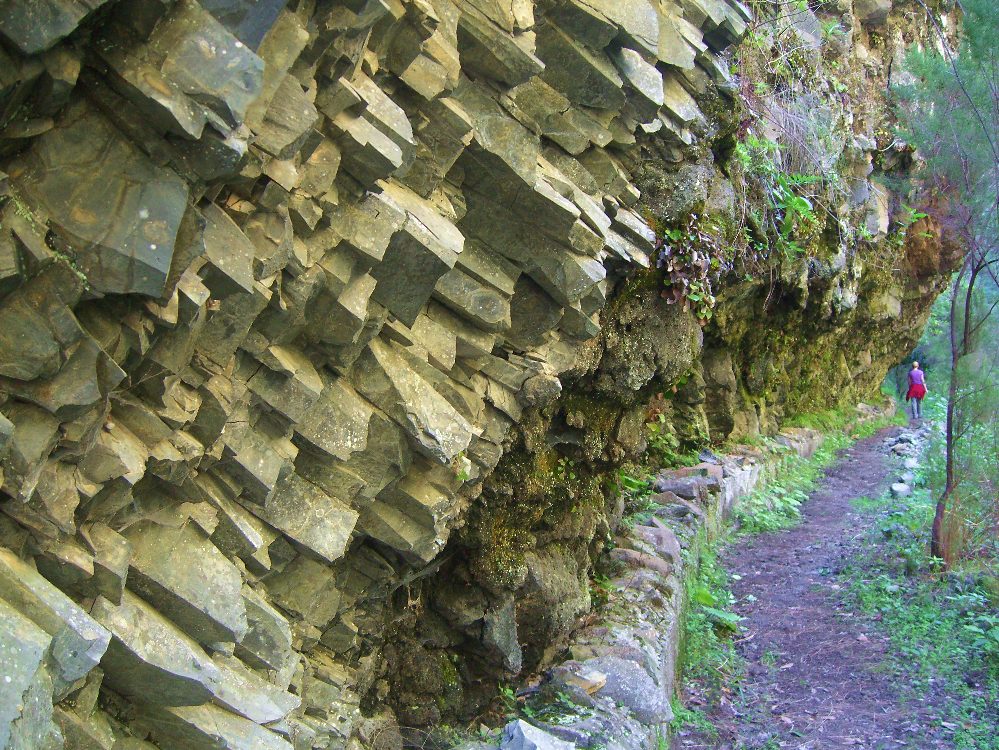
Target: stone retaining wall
(624, 668)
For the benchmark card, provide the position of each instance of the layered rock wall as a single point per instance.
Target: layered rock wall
(281, 285)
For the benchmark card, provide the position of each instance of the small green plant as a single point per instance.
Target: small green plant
(632, 484)
(790, 216)
(758, 156)
(908, 217)
(601, 590)
(508, 697)
(832, 29)
(565, 469)
(691, 719)
(693, 258)
(463, 464)
(794, 211)
(559, 709)
(664, 445)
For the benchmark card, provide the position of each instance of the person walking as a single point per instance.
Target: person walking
(917, 390)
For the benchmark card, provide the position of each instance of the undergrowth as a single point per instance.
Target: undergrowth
(777, 505)
(709, 656)
(943, 631)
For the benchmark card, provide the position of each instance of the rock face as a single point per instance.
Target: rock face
(291, 291)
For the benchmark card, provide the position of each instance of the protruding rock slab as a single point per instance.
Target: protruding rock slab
(78, 642)
(184, 574)
(35, 25)
(149, 659)
(23, 646)
(209, 727)
(117, 212)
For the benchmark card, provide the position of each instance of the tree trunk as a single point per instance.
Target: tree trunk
(937, 545)
(959, 347)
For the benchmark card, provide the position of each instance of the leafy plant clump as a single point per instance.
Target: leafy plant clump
(664, 445)
(693, 259)
(790, 219)
(710, 663)
(557, 709)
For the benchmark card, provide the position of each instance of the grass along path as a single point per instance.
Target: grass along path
(837, 647)
(942, 633)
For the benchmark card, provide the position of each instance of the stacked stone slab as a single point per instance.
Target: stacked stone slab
(275, 283)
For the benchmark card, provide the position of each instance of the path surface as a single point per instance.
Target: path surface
(813, 680)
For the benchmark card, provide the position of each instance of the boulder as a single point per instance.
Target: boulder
(209, 727)
(150, 659)
(629, 684)
(310, 516)
(179, 570)
(23, 650)
(34, 26)
(585, 76)
(874, 12)
(307, 588)
(694, 488)
(37, 326)
(437, 429)
(267, 643)
(246, 693)
(248, 20)
(192, 71)
(643, 77)
(519, 735)
(490, 51)
(900, 489)
(423, 250)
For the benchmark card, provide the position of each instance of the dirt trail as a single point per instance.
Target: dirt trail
(813, 680)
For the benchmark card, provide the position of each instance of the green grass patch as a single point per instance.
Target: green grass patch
(777, 505)
(865, 503)
(709, 660)
(846, 420)
(830, 420)
(943, 630)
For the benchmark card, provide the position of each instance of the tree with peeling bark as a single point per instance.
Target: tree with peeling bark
(950, 113)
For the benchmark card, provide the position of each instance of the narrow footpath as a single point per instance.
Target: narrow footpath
(813, 668)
